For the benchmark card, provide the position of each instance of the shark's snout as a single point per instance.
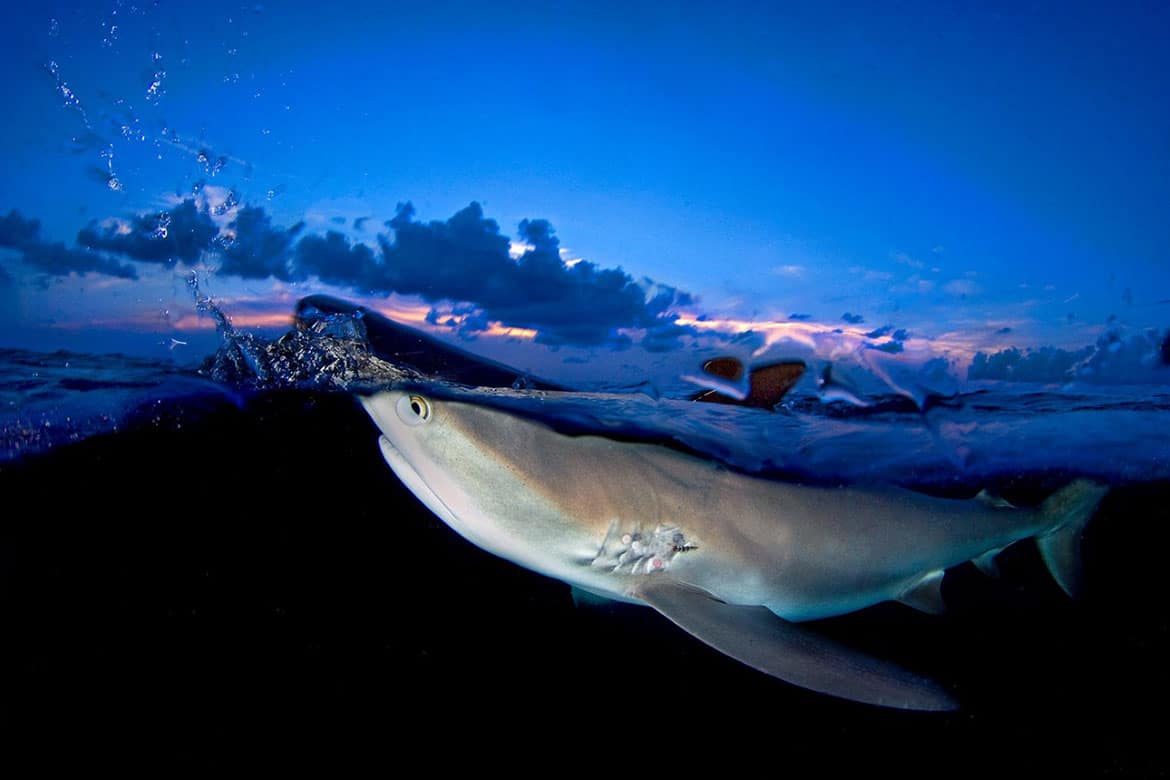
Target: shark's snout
(394, 412)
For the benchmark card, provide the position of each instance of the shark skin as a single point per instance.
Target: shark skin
(736, 561)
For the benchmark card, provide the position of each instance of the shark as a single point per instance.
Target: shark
(739, 561)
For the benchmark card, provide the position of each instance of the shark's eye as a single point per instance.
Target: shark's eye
(414, 409)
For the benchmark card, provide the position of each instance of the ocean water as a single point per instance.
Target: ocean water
(211, 565)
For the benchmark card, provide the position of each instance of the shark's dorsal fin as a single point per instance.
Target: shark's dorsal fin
(925, 593)
(760, 639)
(767, 384)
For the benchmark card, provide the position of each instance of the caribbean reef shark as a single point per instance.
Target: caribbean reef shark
(735, 560)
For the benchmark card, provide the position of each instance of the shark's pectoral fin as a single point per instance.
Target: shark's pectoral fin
(760, 639)
(925, 593)
(583, 597)
(986, 562)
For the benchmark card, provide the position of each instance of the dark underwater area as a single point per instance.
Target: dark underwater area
(249, 586)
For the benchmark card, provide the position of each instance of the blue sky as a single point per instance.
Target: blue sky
(977, 177)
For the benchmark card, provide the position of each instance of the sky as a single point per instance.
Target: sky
(590, 178)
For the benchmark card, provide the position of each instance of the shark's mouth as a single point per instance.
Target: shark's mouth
(417, 485)
(428, 496)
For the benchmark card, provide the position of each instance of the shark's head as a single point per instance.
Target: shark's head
(486, 473)
(422, 441)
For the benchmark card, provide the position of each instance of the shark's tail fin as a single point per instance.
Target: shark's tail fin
(1067, 512)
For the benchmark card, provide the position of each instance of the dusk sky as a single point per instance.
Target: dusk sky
(952, 177)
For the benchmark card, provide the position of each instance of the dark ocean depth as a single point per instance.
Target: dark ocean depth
(250, 585)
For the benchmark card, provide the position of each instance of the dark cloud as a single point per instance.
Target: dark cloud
(463, 260)
(253, 249)
(334, 260)
(1122, 356)
(179, 235)
(466, 259)
(57, 259)
(1047, 364)
(853, 319)
(894, 345)
(800, 317)
(54, 258)
(467, 321)
(889, 347)
(17, 232)
(1119, 356)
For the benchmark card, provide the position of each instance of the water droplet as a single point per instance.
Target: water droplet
(161, 227)
(228, 204)
(154, 89)
(54, 28)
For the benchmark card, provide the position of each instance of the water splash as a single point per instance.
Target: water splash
(229, 203)
(212, 165)
(161, 227)
(70, 98)
(112, 180)
(155, 89)
(327, 353)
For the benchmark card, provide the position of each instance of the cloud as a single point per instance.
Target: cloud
(1047, 364)
(1119, 356)
(1122, 356)
(179, 235)
(253, 249)
(799, 317)
(905, 259)
(791, 271)
(466, 258)
(334, 260)
(961, 287)
(16, 231)
(853, 319)
(525, 283)
(54, 258)
(889, 347)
